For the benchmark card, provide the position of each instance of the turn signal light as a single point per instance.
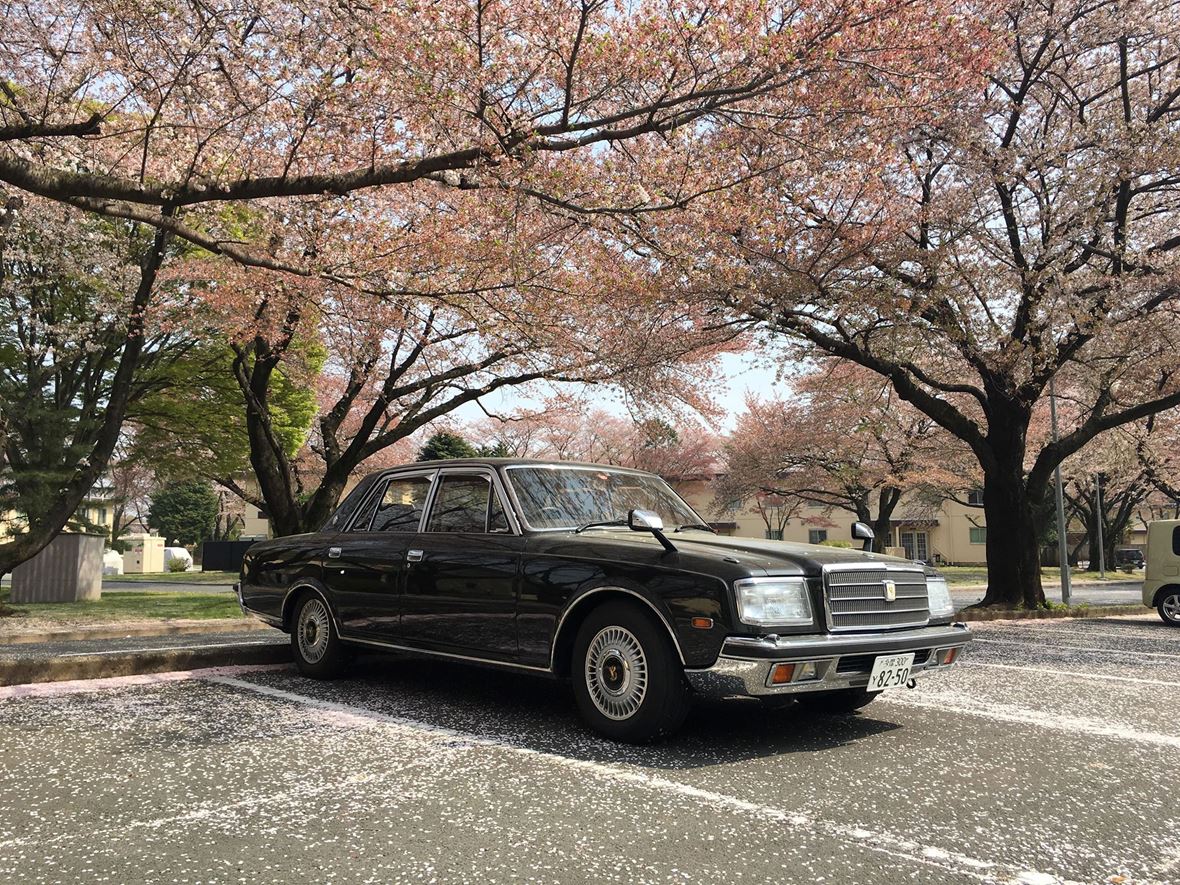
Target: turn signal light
(949, 657)
(703, 623)
(781, 674)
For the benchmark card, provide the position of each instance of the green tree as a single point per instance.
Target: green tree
(497, 449)
(84, 334)
(185, 513)
(445, 445)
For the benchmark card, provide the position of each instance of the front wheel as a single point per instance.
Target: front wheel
(628, 682)
(835, 702)
(318, 651)
(1169, 609)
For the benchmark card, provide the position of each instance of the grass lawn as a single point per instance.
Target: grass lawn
(977, 574)
(130, 605)
(193, 577)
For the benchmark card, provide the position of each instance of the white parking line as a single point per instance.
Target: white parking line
(1098, 676)
(882, 842)
(110, 683)
(1162, 636)
(1109, 651)
(971, 705)
(124, 651)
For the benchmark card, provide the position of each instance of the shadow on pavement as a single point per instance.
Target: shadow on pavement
(540, 714)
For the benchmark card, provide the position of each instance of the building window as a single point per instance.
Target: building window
(975, 497)
(978, 534)
(102, 515)
(261, 515)
(817, 536)
(774, 534)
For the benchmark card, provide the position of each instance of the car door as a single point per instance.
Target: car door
(367, 562)
(461, 580)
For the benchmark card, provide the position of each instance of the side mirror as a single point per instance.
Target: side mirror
(862, 531)
(649, 521)
(644, 521)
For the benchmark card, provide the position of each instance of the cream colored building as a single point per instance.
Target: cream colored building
(98, 510)
(952, 533)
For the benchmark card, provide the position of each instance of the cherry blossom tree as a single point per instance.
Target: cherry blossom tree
(845, 441)
(567, 429)
(340, 145)
(166, 115)
(1027, 236)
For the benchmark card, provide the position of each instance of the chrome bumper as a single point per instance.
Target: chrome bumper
(745, 664)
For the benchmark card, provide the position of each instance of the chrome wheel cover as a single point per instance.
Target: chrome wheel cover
(1171, 608)
(312, 632)
(616, 673)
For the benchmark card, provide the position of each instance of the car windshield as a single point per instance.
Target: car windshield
(568, 497)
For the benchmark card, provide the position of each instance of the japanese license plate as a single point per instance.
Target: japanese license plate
(890, 671)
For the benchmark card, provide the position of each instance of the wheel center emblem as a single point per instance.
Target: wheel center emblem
(890, 591)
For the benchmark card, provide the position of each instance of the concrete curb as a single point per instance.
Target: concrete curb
(114, 631)
(20, 671)
(1080, 611)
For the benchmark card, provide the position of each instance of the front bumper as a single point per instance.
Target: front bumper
(745, 664)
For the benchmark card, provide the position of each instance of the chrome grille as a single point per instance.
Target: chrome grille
(856, 598)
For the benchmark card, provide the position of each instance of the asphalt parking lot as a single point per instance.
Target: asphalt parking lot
(1049, 755)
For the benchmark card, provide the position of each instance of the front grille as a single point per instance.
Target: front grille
(864, 663)
(857, 601)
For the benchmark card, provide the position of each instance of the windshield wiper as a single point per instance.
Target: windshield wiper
(598, 525)
(695, 525)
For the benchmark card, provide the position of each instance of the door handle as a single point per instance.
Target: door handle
(413, 556)
(334, 552)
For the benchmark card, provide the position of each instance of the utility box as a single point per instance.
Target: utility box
(145, 555)
(68, 570)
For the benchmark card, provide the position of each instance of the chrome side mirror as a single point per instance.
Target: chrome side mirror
(644, 521)
(862, 531)
(650, 521)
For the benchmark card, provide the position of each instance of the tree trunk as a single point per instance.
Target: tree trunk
(1013, 555)
(886, 504)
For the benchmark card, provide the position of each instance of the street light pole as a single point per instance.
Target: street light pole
(1098, 519)
(1062, 543)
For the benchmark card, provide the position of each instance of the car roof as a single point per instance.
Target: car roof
(510, 462)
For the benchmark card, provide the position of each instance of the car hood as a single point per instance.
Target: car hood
(751, 555)
(777, 555)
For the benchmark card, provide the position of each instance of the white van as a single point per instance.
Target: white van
(1161, 581)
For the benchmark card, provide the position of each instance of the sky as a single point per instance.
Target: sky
(739, 374)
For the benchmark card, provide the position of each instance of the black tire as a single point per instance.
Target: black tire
(1169, 608)
(628, 681)
(317, 648)
(846, 700)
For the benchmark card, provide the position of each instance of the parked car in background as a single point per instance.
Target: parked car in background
(604, 576)
(1161, 580)
(1129, 557)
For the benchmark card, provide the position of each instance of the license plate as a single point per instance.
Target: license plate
(890, 671)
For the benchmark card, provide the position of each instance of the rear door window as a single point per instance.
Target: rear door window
(1176, 541)
(398, 508)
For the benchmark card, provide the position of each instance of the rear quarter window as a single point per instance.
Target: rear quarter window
(1176, 541)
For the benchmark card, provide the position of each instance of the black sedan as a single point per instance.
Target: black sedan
(602, 575)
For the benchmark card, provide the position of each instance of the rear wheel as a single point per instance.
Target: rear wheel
(1169, 609)
(834, 702)
(627, 680)
(318, 651)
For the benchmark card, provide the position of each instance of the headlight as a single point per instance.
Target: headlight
(939, 594)
(777, 602)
